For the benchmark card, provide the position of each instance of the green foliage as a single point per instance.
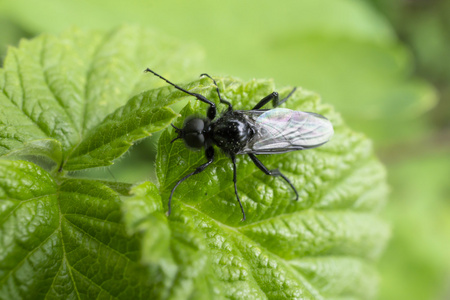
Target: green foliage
(344, 49)
(65, 98)
(424, 26)
(64, 240)
(417, 261)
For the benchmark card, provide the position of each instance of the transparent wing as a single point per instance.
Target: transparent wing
(281, 130)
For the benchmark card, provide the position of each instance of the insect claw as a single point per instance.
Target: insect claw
(296, 195)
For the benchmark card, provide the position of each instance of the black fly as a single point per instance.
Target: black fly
(251, 132)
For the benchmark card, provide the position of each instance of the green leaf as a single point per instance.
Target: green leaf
(64, 240)
(45, 147)
(57, 91)
(322, 246)
(116, 133)
(144, 215)
(79, 99)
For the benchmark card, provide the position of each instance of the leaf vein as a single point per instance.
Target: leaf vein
(27, 256)
(52, 91)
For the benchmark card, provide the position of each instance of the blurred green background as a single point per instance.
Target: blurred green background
(384, 64)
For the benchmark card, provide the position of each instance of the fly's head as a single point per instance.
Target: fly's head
(193, 132)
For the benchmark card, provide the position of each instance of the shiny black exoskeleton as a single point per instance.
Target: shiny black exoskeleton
(231, 132)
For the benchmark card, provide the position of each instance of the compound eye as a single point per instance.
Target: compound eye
(194, 140)
(194, 125)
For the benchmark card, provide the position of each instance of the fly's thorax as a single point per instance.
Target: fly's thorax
(231, 132)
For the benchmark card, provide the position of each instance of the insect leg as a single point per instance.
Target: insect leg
(274, 98)
(212, 107)
(233, 159)
(274, 172)
(267, 99)
(209, 153)
(230, 107)
(284, 99)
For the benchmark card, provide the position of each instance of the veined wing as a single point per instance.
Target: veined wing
(282, 130)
